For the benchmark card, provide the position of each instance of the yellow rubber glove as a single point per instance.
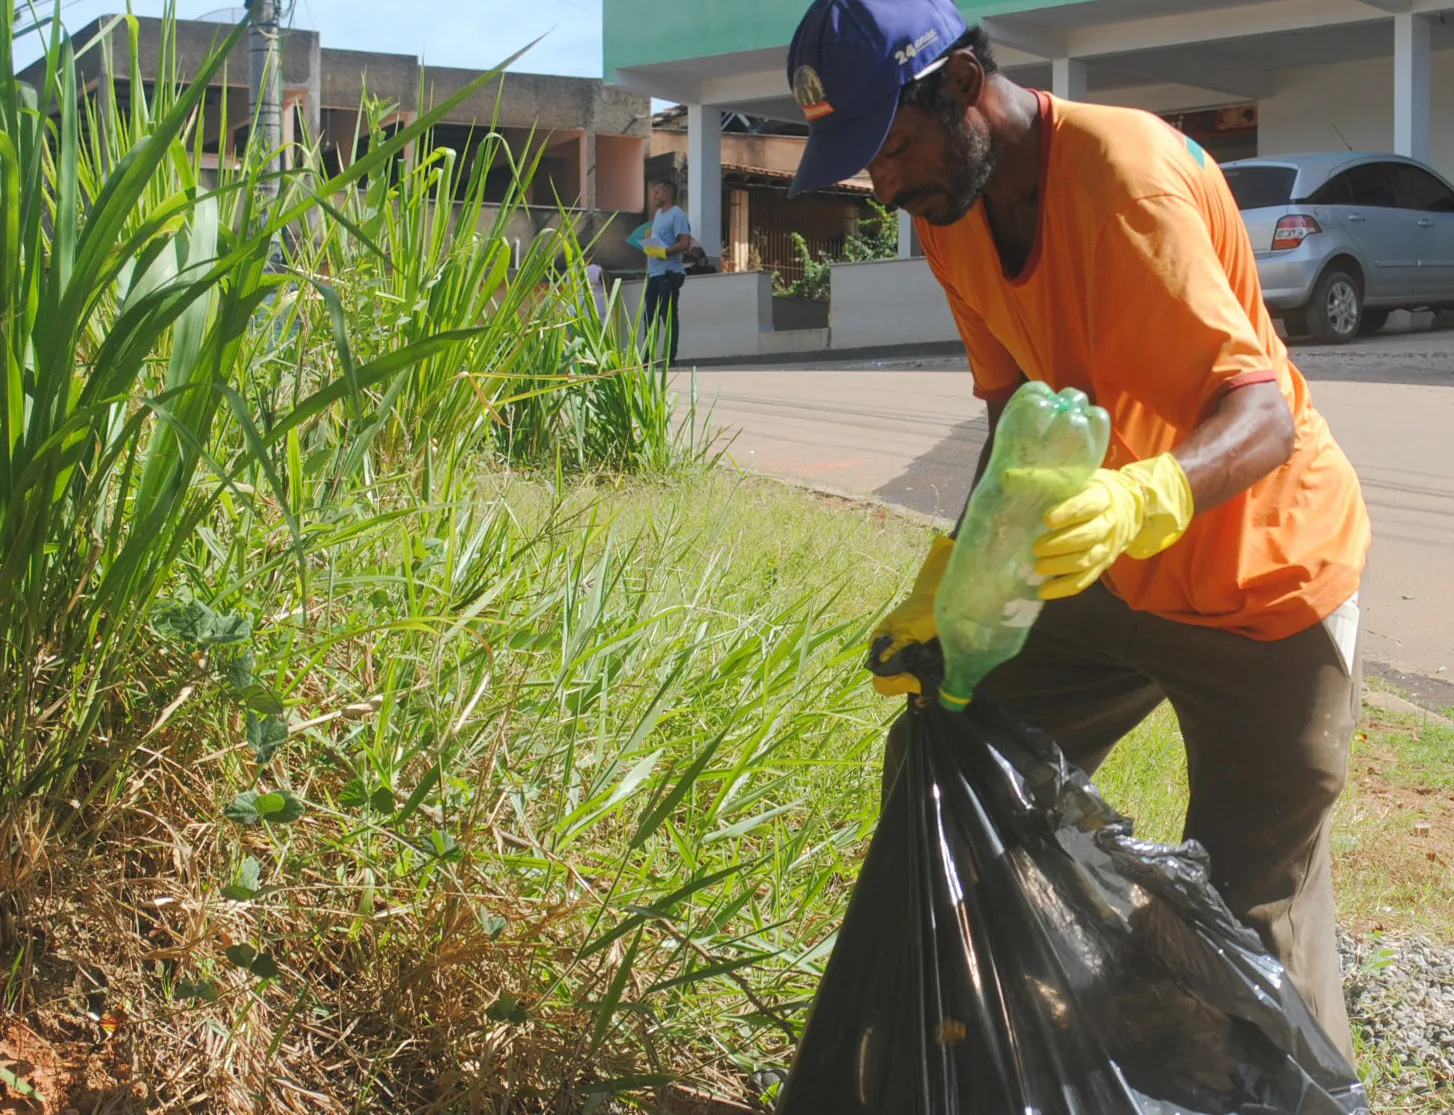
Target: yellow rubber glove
(1138, 510)
(655, 253)
(913, 620)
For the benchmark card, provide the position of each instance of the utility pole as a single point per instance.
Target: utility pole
(265, 85)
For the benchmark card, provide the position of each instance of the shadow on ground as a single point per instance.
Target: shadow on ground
(937, 483)
(1371, 367)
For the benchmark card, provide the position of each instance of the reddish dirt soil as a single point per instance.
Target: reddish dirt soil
(65, 1076)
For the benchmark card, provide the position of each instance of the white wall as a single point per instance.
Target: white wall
(727, 317)
(721, 315)
(1357, 98)
(889, 302)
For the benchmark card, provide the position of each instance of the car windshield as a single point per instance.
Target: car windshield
(1259, 187)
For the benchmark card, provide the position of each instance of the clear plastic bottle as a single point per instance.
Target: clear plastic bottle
(1046, 448)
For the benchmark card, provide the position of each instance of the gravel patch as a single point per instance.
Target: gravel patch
(1401, 1002)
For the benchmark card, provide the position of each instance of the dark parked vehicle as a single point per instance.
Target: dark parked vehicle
(1342, 238)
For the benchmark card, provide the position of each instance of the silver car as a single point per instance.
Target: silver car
(1342, 238)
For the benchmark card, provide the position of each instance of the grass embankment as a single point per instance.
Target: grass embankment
(602, 845)
(340, 769)
(583, 786)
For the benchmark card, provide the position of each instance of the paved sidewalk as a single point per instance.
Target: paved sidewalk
(909, 432)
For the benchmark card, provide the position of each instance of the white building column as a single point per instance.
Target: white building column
(1068, 78)
(704, 177)
(906, 234)
(1411, 85)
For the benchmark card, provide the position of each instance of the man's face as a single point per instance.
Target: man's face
(935, 165)
(658, 195)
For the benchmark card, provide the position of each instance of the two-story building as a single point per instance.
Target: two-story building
(1262, 77)
(592, 138)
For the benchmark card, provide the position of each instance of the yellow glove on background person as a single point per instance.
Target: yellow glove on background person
(655, 253)
(1138, 510)
(913, 620)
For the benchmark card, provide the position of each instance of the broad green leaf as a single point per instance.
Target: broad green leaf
(354, 795)
(261, 699)
(443, 845)
(249, 879)
(240, 672)
(507, 1009)
(288, 808)
(279, 807)
(194, 622)
(266, 734)
(244, 809)
(230, 629)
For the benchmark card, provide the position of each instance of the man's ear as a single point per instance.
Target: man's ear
(965, 77)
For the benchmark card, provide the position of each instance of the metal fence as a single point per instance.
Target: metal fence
(773, 250)
(822, 223)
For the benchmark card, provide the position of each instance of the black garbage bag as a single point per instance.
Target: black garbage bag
(1011, 949)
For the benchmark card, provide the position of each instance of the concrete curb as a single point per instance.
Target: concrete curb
(908, 514)
(786, 361)
(1391, 702)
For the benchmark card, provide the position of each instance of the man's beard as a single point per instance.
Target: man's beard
(972, 156)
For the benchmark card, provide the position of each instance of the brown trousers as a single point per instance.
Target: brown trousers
(1267, 728)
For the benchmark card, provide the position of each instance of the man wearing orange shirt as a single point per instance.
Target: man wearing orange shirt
(1214, 561)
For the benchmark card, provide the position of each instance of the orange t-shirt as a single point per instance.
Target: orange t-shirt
(1142, 291)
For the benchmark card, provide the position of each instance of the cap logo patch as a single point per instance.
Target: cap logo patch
(808, 90)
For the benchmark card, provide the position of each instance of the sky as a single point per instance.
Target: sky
(441, 32)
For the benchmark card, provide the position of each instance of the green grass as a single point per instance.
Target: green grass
(586, 777)
(1392, 874)
(274, 637)
(1145, 778)
(565, 764)
(361, 760)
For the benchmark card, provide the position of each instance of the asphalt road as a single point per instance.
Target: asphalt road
(909, 432)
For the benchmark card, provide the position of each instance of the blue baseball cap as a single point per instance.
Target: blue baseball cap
(848, 61)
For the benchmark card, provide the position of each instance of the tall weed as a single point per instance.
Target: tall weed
(166, 385)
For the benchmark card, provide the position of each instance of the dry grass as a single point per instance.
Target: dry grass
(396, 973)
(1394, 837)
(393, 973)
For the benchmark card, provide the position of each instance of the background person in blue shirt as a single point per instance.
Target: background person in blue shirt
(665, 269)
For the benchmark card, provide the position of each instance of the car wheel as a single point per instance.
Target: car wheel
(1373, 321)
(1335, 311)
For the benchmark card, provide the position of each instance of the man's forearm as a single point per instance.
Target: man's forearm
(1248, 435)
